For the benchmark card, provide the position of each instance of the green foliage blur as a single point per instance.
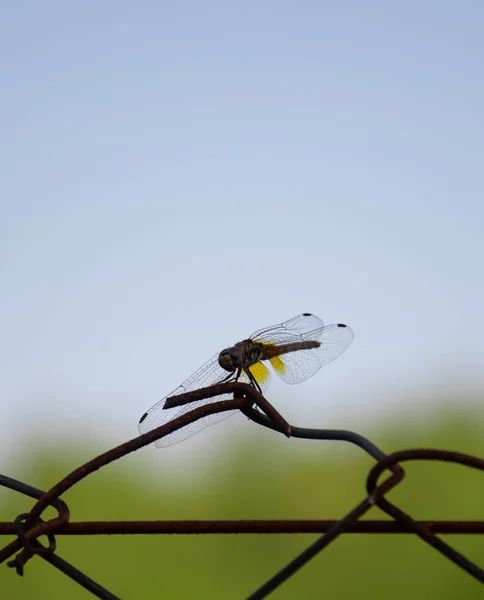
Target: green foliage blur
(262, 477)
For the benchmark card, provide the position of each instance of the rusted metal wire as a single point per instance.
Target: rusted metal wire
(34, 546)
(402, 517)
(104, 459)
(252, 526)
(29, 527)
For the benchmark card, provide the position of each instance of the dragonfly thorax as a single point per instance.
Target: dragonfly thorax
(240, 356)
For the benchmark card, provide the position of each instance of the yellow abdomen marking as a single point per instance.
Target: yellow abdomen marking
(277, 364)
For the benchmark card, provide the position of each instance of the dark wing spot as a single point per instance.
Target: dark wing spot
(342, 325)
(143, 417)
(307, 315)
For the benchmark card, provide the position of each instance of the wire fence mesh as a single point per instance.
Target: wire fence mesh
(28, 527)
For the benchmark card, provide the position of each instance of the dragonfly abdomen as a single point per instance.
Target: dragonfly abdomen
(271, 351)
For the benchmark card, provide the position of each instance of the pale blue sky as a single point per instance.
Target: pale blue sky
(174, 177)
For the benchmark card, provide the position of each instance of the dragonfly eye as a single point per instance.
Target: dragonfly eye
(229, 359)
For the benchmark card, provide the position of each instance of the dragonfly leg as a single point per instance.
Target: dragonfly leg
(229, 376)
(253, 380)
(239, 372)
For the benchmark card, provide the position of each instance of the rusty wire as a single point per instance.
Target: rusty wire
(29, 527)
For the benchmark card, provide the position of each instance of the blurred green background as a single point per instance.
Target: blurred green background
(263, 476)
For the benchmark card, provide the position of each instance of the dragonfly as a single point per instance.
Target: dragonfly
(295, 349)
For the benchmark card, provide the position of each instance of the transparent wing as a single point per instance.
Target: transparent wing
(210, 373)
(293, 330)
(295, 367)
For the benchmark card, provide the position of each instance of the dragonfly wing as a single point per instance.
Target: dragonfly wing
(295, 367)
(208, 374)
(192, 429)
(258, 370)
(292, 330)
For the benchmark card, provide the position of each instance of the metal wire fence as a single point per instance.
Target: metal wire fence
(28, 527)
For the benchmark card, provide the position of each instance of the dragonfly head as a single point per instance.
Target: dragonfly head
(230, 359)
